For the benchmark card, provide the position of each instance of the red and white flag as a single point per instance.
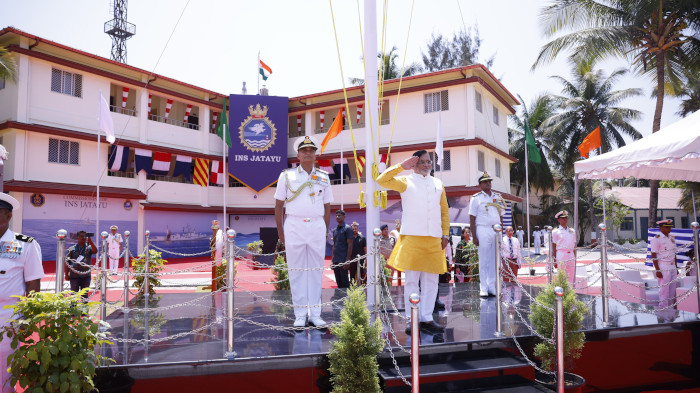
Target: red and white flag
(322, 115)
(150, 99)
(383, 162)
(326, 165)
(299, 124)
(359, 112)
(168, 107)
(125, 96)
(161, 163)
(217, 172)
(215, 118)
(187, 112)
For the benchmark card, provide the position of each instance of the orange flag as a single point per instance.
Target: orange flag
(335, 129)
(590, 142)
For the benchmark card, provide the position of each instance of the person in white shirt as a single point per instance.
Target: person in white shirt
(21, 272)
(114, 248)
(537, 237)
(564, 246)
(511, 257)
(486, 209)
(520, 233)
(424, 233)
(305, 194)
(663, 256)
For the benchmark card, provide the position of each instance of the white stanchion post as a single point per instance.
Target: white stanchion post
(696, 243)
(125, 272)
(415, 342)
(499, 277)
(604, 274)
(550, 256)
(230, 276)
(146, 293)
(559, 291)
(60, 258)
(378, 271)
(103, 277)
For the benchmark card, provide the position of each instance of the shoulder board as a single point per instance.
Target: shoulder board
(321, 171)
(23, 238)
(479, 193)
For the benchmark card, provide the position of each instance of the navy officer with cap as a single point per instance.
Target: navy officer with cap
(486, 209)
(564, 246)
(20, 273)
(305, 193)
(663, 256)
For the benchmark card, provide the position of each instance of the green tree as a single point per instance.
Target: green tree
(8, 66)
(658, 37)
(589, 101)
(615, 212)
(690, 94)
(462, 50)
(389, 69)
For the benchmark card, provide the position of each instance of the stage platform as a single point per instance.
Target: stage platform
(188, 330)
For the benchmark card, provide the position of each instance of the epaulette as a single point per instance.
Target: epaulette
(23, 238)
(322, 171)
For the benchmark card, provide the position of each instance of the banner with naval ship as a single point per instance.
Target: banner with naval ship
(259, 139)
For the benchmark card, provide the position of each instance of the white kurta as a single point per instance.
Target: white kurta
(305, 235)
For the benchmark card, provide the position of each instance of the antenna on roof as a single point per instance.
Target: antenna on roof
(119, 30)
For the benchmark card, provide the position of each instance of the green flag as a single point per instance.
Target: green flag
(532, 152)
(224, 123)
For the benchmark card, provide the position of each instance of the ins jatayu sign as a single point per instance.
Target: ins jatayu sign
(258, 139)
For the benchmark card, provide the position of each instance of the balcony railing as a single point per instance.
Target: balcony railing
(174, 122)
(347, 127)
(123, 111)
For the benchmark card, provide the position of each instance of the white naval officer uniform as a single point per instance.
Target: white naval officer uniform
(20, 261)
(114, 243)
(486, 217)
(665, 249)
(519, 233)
(565, 239)
(537, 236)
(305, 234)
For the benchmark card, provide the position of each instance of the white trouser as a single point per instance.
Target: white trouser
(305, 243)
(5, 351)
(538, 242)
(114, 260)
(567, 262)
(428, 293)
(487, 258)
(667, 292)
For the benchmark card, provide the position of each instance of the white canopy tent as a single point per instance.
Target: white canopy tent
(672, 153)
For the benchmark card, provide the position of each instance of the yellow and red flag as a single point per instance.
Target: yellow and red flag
(201, 172)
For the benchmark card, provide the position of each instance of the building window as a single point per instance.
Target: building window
(64, 152)
(478, 102)
(495, 115)
(480, 161)
(498, 167)
(446, 158)
(684, 222)
(434, 102)
(627, 224)
(66, 83)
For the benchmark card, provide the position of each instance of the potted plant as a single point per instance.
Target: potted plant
(254, 250)
(353, 354)
(54, 343)
(156, 264)
(542, 317)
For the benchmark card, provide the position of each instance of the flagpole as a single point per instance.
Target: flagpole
(342, 175)
(225, 167)
(258, 71)
(97, 213)
(527, 196)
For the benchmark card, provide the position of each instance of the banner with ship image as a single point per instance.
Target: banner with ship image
(259, 139)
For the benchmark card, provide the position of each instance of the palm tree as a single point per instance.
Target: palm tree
(690, 94)
(8, 66)
(388, 69)
(587, 102)
(659, 37)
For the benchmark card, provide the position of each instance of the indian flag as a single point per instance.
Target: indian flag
(265, 70)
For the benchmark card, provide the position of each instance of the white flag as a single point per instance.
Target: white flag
(438, 143)
(106, 123)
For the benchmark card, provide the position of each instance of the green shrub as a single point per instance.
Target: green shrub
(156, 264)
(280, 273)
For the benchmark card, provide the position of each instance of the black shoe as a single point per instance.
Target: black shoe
(431, 327)
(439, 306)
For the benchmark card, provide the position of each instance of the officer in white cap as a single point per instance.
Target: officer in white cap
(564, 246)
(663, 256)
(537, 238)
(305, 193)
(20, 273)
(486, 209)
(114, 248)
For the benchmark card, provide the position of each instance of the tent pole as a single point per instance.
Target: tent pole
(576, 204)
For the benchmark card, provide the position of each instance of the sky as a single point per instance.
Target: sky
(215, 44)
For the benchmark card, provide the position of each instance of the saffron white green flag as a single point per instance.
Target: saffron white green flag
(265, 70)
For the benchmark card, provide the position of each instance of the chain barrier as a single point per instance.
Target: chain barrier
(196, 254)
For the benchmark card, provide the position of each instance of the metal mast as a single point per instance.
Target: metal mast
(119, 29)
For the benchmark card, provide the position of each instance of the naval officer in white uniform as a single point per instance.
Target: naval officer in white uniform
(564, 246)
(486, 209)
(20, 273)
(114, 244)
(305, 193)
(663, 256)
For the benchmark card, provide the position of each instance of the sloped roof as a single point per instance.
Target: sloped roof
(638, 197)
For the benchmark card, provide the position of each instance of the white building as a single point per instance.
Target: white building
(48, 122)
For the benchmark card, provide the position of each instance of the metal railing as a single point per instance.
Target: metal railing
(173, 122)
